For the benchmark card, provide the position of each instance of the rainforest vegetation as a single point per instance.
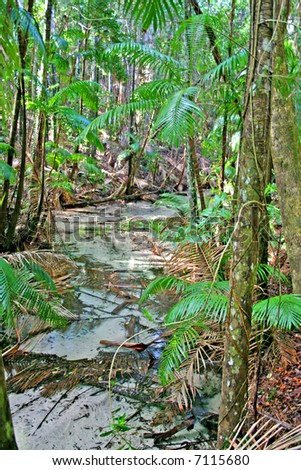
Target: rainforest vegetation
(189, 105)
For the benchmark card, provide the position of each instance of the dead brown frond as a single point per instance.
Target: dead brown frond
(55, 264)
(194, 261)
(266, 434)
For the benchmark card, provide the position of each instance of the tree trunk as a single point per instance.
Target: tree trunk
(286, 149)
(7, 436)
(254, 151)
(38, 171)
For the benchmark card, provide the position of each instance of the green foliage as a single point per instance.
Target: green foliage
(145, 56)
(283, 311)
(178, 117)
(202, 301)
(7, 172)
(25, 289)
(118, 428)
(154, 13)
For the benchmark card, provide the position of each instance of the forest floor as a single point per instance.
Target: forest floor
(279, 387)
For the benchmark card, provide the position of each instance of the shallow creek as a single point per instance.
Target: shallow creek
(114, 248)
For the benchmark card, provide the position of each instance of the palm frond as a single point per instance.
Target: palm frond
(195, 30)
(8, 280)
(28, 25)
(114, 116)
(194, 261)
(177, 349)
(178, 117)
(282, 312)
(155, 13)
(231, 67)
(145, 56)
(209, 305)
(87, 90)
(266, 434)
(162, 284)
(265, 271)
(156, 89)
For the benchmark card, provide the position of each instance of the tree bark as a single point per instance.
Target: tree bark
(254, 155)
(7, 436)
(286, 149)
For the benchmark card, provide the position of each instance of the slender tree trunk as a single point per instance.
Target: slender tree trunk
(286, 149)
(250, 204)
(38, 171)
(7, 436)
(10, 155)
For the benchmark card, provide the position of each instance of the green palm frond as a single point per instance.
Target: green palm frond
(177, 349)
(178, 117)
(145, 56)
(7, 172)
(8, 279)
(162, 284)
(28, 25)
(265, 271)
(24, 288)
(114, 116)
(81, 123)
(231, 67)
(157, 89)
(211, 305)
(195, 30)
(282, 312)
(156, 12)
(87, 90)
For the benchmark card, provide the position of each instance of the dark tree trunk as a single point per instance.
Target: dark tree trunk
(7, 436)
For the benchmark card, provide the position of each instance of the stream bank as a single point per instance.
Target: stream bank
(116, 253)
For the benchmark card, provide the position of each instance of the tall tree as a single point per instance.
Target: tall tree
(285, 145)
(253, 162)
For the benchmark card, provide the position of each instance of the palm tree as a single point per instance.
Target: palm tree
(24, 287)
